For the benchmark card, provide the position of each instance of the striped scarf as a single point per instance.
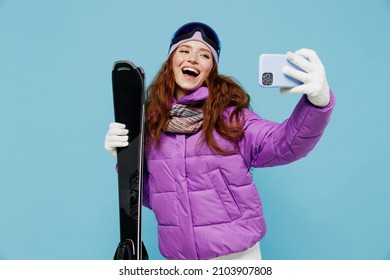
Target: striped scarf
(184, 119)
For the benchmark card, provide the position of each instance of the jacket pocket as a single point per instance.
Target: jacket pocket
(223, 190)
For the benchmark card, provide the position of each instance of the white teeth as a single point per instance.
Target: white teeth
(191, 69)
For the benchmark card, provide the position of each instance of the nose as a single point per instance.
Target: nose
(193, 58)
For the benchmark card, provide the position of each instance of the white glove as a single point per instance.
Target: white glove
(315, 85)
(116, 137)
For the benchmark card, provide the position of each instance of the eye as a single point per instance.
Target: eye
(205, 55)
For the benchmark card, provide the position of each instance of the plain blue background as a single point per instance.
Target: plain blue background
(58, 187)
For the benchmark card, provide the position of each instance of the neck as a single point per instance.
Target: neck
(179, 93)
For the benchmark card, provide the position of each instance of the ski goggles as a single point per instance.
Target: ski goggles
(196, 31)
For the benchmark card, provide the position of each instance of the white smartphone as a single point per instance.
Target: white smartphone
(270, 71)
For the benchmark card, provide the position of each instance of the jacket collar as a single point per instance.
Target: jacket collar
(199, 94)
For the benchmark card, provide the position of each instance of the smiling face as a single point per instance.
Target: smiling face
(191, 63)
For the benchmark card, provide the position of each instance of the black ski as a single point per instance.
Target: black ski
(128, 82)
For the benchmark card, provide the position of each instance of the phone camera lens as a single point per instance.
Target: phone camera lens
(267, 79)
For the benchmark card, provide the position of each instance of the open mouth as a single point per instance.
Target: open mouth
(190, 71)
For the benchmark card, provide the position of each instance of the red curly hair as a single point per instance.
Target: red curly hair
(224, 92)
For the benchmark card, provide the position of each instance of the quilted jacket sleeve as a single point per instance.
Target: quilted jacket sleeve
(269, 143)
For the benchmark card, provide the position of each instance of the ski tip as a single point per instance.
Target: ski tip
(122, 64)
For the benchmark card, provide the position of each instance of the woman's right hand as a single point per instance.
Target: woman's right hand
(116, 137)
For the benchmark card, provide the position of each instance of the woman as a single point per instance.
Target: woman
(202, 141)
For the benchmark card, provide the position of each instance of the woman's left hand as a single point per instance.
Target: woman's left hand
(313, 77)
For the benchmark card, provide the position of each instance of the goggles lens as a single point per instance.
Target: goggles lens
(189, 29)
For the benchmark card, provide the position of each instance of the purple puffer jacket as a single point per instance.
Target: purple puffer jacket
(207, 205)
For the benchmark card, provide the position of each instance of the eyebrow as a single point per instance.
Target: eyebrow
(188, 46)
